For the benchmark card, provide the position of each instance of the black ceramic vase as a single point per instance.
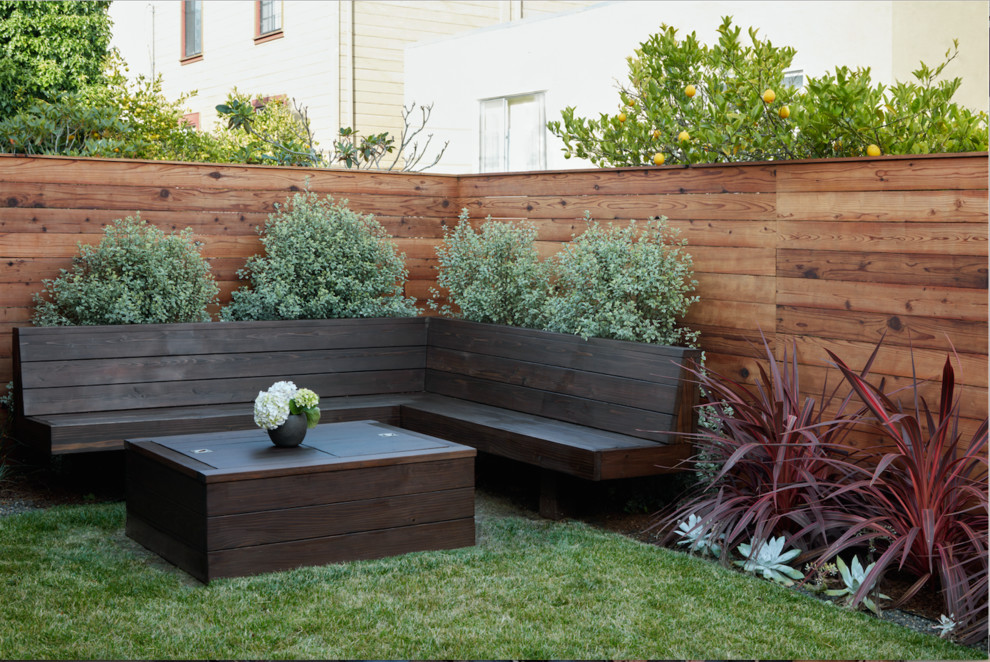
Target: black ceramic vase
(291, 433)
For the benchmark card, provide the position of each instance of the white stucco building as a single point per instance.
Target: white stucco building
(495, 87)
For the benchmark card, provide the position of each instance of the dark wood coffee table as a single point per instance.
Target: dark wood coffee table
(231, 503)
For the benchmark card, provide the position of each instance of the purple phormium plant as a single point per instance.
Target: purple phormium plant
(770, 451)
(927, 494)
(784, 467)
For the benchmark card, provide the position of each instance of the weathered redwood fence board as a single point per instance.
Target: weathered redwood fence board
(827, 254)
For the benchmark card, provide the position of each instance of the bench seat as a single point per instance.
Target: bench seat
(593, 409)
(550, 444)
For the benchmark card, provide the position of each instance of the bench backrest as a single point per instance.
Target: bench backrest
(630, 388)
(103, 368)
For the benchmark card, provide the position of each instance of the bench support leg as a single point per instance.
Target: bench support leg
(551, 506)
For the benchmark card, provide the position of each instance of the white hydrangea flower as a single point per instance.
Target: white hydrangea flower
(271, 409)
(306, 398)
(288, 389)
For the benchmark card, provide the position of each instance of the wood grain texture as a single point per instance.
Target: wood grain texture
(779, 247)
(900, 268)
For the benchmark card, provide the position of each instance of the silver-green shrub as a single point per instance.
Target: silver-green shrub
(137, 274)
(322, 260)
(492, 274)
(630, 283)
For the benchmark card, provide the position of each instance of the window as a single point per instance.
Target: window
(269, 18)
(513, 133)
(192, 119)
(192, 30)
(794, 78)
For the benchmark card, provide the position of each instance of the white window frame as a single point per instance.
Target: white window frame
(540, 97)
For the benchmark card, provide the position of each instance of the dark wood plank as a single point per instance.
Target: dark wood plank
(150, 471)
(233, 497)
(210, 392)
(503, 442)
(651, 395)
(646, 461)
(93, 342)
(337, 549)
(603, 416)
(178, 367)
(349, 517)
(175, 552)
(611, 357)
(85, 432)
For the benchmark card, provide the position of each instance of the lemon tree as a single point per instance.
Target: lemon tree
(686, 102)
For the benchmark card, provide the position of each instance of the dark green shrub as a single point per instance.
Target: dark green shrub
(322, 261)
(137, 274)
(493, 274)
(630, 283)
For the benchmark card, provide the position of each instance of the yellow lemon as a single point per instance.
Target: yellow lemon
(689, 90)
(622, 117)
(632, 103)
(873, 150)
(656, 134)
(784, 112)
(769, 96)
(658, 159)
(683, 136)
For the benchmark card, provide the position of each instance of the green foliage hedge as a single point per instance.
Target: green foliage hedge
(628, 283)
(322, 261)
(137, 274)
(494, 274)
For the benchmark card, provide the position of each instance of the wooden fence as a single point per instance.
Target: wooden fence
(817, 254)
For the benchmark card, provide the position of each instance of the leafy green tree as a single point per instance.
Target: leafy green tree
(118, 118)
(47, 48)
(686, 102)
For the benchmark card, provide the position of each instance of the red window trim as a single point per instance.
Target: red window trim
(183, 58)
(268, 36)
(264, 101)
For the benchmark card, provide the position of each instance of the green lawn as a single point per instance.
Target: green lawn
(72, 585)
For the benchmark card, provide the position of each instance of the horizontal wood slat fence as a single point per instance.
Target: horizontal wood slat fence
(815, 254)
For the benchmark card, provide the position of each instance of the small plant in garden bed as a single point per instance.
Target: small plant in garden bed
(321, 261)
(768, 558)
(137, 274)
(854, 579)
(768, 448)
(928, 496)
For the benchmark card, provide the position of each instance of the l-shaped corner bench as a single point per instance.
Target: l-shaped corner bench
(594, 409)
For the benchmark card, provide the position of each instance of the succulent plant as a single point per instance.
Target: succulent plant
(769, 560)
(694, 537)
(853, 577)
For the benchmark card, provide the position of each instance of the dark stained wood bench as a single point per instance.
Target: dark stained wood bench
(594, 409)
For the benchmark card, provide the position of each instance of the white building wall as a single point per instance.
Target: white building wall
(578, 57)
(303, 67)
